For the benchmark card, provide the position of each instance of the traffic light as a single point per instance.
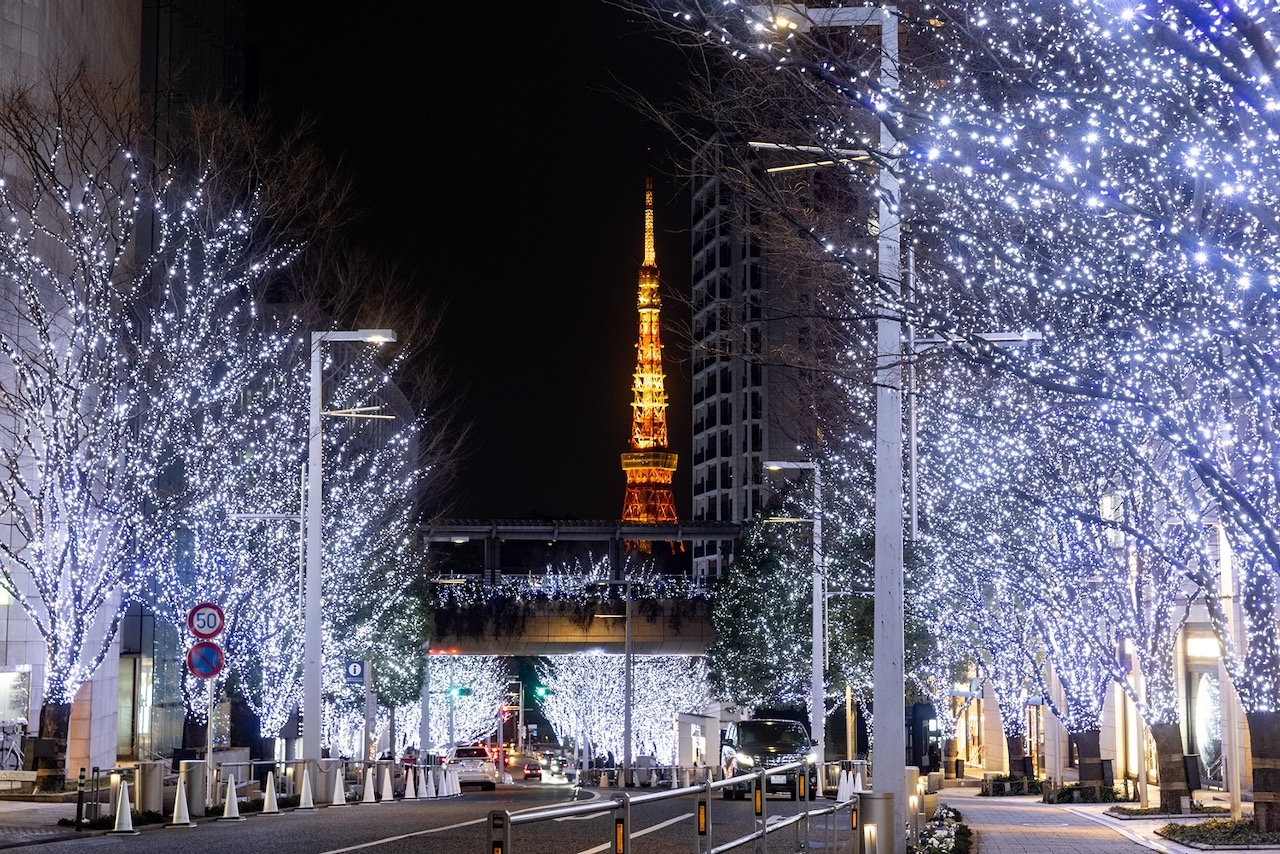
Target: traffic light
(459, 691)
(543, 692)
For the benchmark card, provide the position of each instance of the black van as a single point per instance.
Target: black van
(751, 745)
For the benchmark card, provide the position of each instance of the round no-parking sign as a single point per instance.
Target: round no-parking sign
(205, 659)
(205, 620)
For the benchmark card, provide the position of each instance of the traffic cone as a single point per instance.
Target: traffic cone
(231, 809)
(124, 812)
(369, 797)
(429, 783)
(842, 788)
(269, 805)
(339, 790)
(455, 786)
(410, 793)
(181, 814)
(857, 781)
(388, 792)
(304, 800)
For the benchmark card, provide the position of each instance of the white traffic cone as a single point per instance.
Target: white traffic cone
(455, 786)
(429, 783)
(857, 782)
(446, 783)
(124, 812)
(305, 801)
(388, 793)
(842, 788)
(339, 789)
(369, 797)
(231, 809)
(410, 793)
(181, 814)
(269, 805)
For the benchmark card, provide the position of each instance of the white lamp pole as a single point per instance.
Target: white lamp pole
(817, 684)
(890, 743)
(311, 670)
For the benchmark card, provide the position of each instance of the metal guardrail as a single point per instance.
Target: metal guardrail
(502, 822)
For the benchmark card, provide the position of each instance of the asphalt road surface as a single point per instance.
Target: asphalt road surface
(455, 826)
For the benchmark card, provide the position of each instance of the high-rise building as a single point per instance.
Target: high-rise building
(754, 327)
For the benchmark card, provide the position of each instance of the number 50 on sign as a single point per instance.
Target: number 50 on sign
(205, 620)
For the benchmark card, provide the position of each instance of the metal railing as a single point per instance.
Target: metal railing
(620, 805)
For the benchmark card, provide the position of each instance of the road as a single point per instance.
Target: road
(452, 826)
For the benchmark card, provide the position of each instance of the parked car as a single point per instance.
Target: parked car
(532, 770)
(751, 745)
(474, 767)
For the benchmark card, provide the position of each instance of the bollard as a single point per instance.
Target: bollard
(913, 804)
(875, 814)
(80, 802)
(150, 786)
(193, 771)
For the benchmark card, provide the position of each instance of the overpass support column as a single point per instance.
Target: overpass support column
(492, 561)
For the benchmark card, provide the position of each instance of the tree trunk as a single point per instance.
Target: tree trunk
(55, 725)
(195, 733)
(1173, 771)
(950, 753)
(1264, 738)
(1089, 745)
(1017, 745)
(245, 728)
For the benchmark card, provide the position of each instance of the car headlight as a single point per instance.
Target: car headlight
(744, 759)
(812, 758)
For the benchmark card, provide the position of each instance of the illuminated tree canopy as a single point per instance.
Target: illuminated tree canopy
(1104, 177)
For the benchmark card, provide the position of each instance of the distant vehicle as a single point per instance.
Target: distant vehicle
(532, 770)
(751, 745)
(474, 767)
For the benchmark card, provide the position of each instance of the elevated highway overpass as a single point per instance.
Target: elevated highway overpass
(532, 626)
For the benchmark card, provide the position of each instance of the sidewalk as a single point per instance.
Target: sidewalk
(1023, 825)
(24, 823)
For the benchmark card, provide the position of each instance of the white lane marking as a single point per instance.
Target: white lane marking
(638, 833)
(406, 836)
(388, 839)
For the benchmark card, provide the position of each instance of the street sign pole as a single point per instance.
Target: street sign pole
(370, 710)
(208, 752)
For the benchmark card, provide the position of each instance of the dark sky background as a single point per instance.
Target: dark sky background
(496, 164)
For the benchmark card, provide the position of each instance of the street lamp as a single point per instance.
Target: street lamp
(311, 671)
(888, 692)
(627, 675)
(817, 685)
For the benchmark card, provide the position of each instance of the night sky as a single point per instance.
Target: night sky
(495, 163)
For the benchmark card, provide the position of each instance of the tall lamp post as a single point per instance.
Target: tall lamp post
(888, 690)
(311, 670)
(817, 685)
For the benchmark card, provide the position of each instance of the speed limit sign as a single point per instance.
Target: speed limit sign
(205, 620)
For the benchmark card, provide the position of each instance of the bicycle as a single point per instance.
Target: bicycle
(11, 733)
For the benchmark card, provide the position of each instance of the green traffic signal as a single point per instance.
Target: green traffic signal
(459, 691)
(542, 691)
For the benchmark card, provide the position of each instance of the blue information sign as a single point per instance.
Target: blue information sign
(205, 659)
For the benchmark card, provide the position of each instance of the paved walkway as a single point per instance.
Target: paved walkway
(1024, 825)
(24, 823)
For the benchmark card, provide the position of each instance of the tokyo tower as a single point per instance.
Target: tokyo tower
(649, 466)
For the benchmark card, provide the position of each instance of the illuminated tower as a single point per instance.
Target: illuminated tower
(649, 465)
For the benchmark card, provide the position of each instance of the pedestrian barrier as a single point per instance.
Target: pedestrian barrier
(835, 835)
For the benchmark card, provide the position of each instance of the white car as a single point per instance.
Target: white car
(474, 767)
